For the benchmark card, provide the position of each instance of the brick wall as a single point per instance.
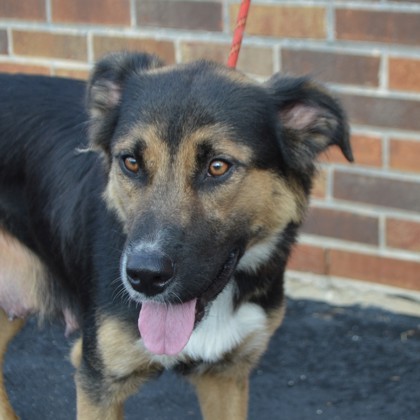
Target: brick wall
(364, 222)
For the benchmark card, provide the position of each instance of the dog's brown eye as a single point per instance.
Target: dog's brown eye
(131, 164)
(218, 167)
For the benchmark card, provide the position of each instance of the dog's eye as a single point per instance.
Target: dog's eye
(131, 164)
(218, 168)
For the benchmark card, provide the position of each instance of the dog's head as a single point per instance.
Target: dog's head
(207, 170)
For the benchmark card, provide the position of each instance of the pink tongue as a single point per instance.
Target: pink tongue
(166, 329)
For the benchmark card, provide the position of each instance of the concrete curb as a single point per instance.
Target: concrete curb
(343, 292)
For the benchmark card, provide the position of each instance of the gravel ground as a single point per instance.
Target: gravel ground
(325, 362)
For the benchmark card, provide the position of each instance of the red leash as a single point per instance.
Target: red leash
(238, 33)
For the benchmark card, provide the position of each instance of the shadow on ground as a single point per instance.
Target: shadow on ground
(325, 362)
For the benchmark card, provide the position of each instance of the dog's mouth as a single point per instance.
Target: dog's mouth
(217, 285)
(166, 328)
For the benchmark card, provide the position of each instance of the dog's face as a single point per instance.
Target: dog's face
(206, 170)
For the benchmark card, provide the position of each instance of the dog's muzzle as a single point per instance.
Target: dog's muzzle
(166, 327)
(149, 272)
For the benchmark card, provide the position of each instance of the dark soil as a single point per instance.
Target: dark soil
(325, 362)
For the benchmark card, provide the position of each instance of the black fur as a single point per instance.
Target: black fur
(52, 183)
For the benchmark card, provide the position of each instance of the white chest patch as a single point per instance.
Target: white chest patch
(223, 329)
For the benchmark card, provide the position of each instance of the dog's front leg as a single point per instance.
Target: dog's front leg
(91, 404)
(222, 397)
(8, 329)
(89, 408)
(110, 368)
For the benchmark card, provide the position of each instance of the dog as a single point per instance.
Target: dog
(154, 208)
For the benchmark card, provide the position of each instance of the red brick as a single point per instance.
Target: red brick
(404, 155)
(378, 26)
(308, 258)
(367, 150)
(24, 68)
(51, 45)
(253, 60)
(105, 44)
(332, 67)
(3, 42)
(403, 234)
(25, 10)
(105, 12)
(379, 191)
(389, 271)
(192, 50)
(342, 225)
(283, 21)
(404, 74)
(383, 112)
(256, 60)
(191, 15)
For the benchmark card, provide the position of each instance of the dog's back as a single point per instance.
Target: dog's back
(36, 112)
(43, 122)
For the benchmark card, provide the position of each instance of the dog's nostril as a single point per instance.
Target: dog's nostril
(149, 273)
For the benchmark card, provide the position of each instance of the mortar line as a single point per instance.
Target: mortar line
(48, 11)
(133, 14)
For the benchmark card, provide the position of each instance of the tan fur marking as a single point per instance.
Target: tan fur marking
(87, 410)
(275, 318)
(122, 194)
(223, 389)
(121, 352)
(76, 353)
(8, 329)
(262, 199)
(269, 200)
(156, 148)
(125, 361)
(23, 279)
(112, 195)
(185, 165)
(278, 203)
(219, 136)
(222, 398)
(126, 366)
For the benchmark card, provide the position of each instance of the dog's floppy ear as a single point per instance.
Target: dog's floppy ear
(105, 89)
(310, 121)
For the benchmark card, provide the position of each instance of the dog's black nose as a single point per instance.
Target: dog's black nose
(149, 272)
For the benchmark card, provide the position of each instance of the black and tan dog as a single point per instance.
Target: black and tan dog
(158, 220)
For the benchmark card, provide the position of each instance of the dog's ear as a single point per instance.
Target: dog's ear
(310, 119)
(105, 89)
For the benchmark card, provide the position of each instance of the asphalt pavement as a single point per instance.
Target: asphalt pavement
(325, 362)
